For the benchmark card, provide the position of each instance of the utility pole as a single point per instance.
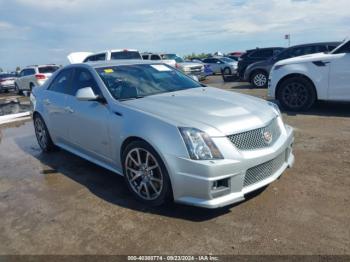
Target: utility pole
(287, 37)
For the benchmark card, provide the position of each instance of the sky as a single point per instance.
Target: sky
(40, 32)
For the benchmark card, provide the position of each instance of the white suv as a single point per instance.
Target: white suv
(32, 76)
(115, 54)
(297, 83)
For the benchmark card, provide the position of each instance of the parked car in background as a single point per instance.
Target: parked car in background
(189, 68)
(258, 73)
(35, 75)
(157, 57)
(256, 55)
(115, 54)
(7, 82)
(170, 137)
(297, 83)
(221, 64)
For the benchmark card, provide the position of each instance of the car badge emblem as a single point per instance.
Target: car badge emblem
(267, 137)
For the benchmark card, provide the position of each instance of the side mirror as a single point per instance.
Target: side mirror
(195, 78)
(86, 94)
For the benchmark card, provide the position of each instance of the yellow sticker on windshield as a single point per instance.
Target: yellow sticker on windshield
(109, 70)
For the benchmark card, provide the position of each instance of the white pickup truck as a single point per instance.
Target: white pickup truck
(297, 83)
(115, 54)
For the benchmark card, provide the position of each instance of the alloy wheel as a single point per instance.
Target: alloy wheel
(260, 80)
(295, 95)
(40, 132)
(144, 174)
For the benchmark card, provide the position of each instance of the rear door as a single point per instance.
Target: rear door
(54, 103)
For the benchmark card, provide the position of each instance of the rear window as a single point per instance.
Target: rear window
(125, 55)
(48, 69)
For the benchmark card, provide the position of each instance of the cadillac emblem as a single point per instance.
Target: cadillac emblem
(267, 137)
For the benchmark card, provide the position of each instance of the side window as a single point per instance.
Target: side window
(155, 57)
(31, 71)
(263, 53)
(344, 49)
(61, 83)
(145, 57)
(320, 49)
(276, 51)
(100, 57)
(90, 59)
(83, 78)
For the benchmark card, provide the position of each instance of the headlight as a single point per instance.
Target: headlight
(275, 107)
(199, 144)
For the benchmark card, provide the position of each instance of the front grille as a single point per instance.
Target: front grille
(263, 171)
(196, 69)
(257, 138)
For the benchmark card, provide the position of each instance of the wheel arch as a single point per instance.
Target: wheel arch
(296, 75)
(132, 139)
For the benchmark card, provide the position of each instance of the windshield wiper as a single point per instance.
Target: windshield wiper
(131, 98)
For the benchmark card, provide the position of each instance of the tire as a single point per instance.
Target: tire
(42, 134)
(259, 79)
(19, 92)
(31, 86)
(227, 71)
(296, 94)
(147, 179)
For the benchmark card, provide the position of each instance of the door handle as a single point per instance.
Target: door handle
(47, 102)
(69, 109)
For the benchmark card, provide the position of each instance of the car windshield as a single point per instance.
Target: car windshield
(136, 81)
(227, 60)
(47, 69)
(169, 56)
(125, 55)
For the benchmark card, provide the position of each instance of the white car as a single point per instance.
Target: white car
(297, 83)
(115, 54)
(157, 57)
(35, 75)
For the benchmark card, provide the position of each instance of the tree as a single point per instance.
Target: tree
(18, 69)
(1, 70)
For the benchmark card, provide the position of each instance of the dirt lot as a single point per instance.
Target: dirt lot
(62, 204)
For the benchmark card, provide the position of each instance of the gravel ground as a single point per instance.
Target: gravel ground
(62, 204)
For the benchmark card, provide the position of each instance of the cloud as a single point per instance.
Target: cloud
(36, 30)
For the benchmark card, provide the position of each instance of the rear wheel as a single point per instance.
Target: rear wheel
(296, 94)
(145, 174)
(19, 92)
(227, 71)
(42, 134)
(259, 79)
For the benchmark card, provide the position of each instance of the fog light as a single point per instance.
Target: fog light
(220, 184)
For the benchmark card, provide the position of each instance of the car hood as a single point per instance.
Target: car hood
(215, 111)
(190, 64)
(305, 58)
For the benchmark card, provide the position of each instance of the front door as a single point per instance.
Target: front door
(339, 82)
(88, 120)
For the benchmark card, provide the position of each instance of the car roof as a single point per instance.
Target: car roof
(99, 64)
(264, 48)
(319, 43)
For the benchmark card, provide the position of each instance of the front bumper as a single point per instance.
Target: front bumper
(193, 181)
(7, 86)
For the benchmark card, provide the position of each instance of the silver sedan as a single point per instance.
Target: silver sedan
(168, 135)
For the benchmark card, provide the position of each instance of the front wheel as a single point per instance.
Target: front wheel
(145, 174)
(42, 134)
(259, 79)
(296, 94)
